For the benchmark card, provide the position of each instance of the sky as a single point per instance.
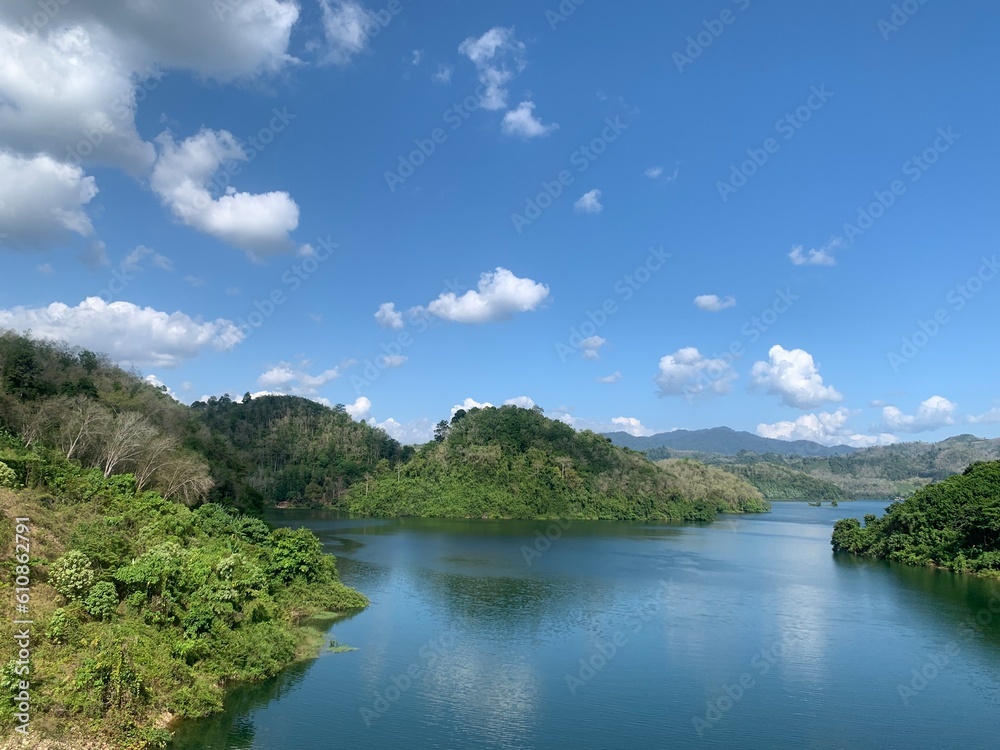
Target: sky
(778, 217)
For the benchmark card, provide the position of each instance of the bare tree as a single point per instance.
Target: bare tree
(127, 437)
(81, 422)
(185, 478)
(156, 454)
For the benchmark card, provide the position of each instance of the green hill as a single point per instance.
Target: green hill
(778, 482)
(722, 440)
(510, 462)
(953, 524)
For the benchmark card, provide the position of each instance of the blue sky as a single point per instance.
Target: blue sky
(777, 217)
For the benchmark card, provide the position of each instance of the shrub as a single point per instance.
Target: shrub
(102, 601)
(72, 575)
(7, 476)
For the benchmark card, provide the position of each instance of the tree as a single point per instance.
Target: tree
(81, 422)
(127, 437)
(441, 431)
(247, 398)
(458, 415)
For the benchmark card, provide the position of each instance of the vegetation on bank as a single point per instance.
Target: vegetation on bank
(777, 482)
(143, 607)
(954, 524)
(510, 462)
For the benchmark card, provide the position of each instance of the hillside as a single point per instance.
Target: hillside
(516, 463)
(143, 609)
(953, 524)
(777, 482)
(245, 454)
(721, 440)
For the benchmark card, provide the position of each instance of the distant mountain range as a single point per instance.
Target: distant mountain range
(725, 441)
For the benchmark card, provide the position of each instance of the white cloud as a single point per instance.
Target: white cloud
(129, 334)
(443, 73)
(632, 426)
(410, 433)
(344, 24)
(500, 296)
(794, 377)
(713, 303)
(45, 269)
(469, 403)
(522, 122)
(523, 401)
(612, 378)
(825, 428)
(933, 413)
(819, 257)
(285, 378)
(654, 173)
(589, 203)
(417, 56)
(590, 346)
(393, 360)
(134, 260)
(990, 417)
(154, 381)
(42, 201)
(257, 223)
(498, 57)
(360, 409)
(688, 372)
(388, 317)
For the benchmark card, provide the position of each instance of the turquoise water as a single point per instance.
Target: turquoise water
(745, 633)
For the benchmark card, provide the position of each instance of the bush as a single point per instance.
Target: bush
(7, 476)
(102, 601)
(72, 575)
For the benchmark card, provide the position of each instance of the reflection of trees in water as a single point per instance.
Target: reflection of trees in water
(235, 728)
(959, 599)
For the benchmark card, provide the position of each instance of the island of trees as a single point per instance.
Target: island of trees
(953, 524)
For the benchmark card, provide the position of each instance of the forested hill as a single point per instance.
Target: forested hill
(953, 524)
(510, 462)
(244, 454)
(722, 440)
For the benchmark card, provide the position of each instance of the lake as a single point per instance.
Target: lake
(744, 633)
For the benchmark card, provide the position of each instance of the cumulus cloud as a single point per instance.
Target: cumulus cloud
(632, 426)
(393, 360)
(409, 433)
(817, 257)
(612, 378)
(794, 377)
(589, 203)
(990, 417)
(825, 428)
(287, 379)
(42, 201)
(388, 317)
(360, 409)
(714, 303)
(523, 401)
(469, 403)
(522, 122)
(257, 223)
(134, 261)
(687, 372)
(154, 381)
(131, 335)
(933, 413)
(590, 346)
(498, 57)
(344, 25)
(500, 296)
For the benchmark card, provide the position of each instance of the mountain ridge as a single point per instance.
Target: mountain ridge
(725, 441)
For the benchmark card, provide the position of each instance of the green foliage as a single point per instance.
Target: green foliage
(72, 575)
(777, 482)
(211, 597)
(516, 463)
(8, 477)
(102, 601)
(953, 524)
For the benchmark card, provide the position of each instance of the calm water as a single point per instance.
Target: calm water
(746, 633)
